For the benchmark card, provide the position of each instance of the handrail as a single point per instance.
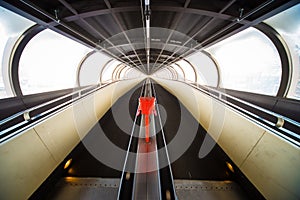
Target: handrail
(165, 144)
(258, 108)
(39, 106)
(254, 106)
(278, 126)
(130, 144)
(26, 113)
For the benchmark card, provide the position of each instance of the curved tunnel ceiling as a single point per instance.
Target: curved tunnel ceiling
(178, 27)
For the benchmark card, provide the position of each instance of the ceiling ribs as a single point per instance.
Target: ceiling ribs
(199, 31)
(123, 31)
(180, 11)
(81, 27)
(153, 8)
(141, 43)
(55, 22)
(69, 7)
(176, 22)
(238, 19)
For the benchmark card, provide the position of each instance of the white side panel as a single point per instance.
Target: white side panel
(270, 163)
(59, 134)
(273, 166)
(101, 101)
(28, 159)
(85, 119)
(24, 163)
(238, 136)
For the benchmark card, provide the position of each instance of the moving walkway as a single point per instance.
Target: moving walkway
(188, 176)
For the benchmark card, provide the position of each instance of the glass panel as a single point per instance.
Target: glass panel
(206, 69)
(116, 71)
(249, 62)
(123, 73)
(164, 73)
(179, 72)
(91, 67)
(108, 71)
(188, 70)
(49, 62)
(287, 23)
(11, 27)
(133, 73)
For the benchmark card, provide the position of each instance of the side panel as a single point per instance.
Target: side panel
(273, 166)
(24, 163)
(269, 162)
(29, 158)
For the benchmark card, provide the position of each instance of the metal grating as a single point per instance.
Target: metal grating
(85, 188)
(107, 188)
(208, 190)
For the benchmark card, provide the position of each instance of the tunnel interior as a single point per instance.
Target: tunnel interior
(149, 99)
(189, 166)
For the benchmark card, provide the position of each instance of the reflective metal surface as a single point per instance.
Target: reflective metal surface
(99, 188)
(86, 188)
(193, 189)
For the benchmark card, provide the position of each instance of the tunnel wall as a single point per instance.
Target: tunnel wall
(29, 158)
(269, 162)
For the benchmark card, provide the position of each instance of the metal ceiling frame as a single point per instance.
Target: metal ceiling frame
(116, 71)
(165, 54)
(123, 31)
(212, 58)
(176, 22)
(139, 43)
(78, 72)
(284, 54)
(236, 21)
(194, 69)
(15, 57)
(153, 8)
(120, 72)
(103, 68)
(70, 8)
(231, 24)
(55, 22)
(183, 72)
(127, 70)
(201, 28)
(179, 10)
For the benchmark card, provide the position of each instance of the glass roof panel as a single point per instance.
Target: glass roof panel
(249, 62)
(287, 24)
(49, 62)
(11, 28)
